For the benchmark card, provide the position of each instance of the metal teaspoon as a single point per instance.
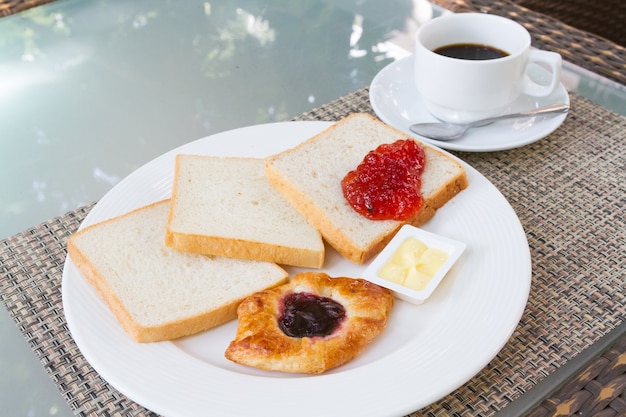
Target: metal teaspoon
(451, 131)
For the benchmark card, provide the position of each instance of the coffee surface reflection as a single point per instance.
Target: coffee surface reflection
(471, 51)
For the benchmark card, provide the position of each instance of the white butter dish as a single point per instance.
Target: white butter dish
(452, 248)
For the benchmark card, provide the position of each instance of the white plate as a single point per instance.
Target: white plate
(397, 102)
(425, 353)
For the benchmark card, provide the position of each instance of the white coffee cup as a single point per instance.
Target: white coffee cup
(462, 90)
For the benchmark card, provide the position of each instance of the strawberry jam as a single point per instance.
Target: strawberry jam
(387, 184)
(309, 315)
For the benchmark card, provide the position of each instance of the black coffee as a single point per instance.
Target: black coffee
(470, 51)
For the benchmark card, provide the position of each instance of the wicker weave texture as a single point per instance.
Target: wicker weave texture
(606, 18)
(599, 390)
(9, 7)
(567, 290)
(569, 191)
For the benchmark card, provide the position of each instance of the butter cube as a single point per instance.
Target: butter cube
(409, 252)
(416, 279)
(432, 260)
(393, 272)
(413, 264)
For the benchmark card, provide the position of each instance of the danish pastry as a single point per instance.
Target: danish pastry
(310, 325)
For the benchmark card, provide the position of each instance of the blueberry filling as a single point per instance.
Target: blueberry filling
(309, 315)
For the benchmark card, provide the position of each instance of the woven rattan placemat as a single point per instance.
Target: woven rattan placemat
(569, 191)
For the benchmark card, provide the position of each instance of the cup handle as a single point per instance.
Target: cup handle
(536, 84)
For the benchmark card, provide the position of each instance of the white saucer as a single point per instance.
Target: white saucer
(396, 101)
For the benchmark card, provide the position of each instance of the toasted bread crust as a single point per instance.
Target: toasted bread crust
(165, 330)
(210, 242)
(335, 234)
(260, 342)
(244, 249)
(99, 283)
(139, 333)
(440, 198)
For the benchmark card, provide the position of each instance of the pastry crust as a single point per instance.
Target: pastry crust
(260, 342)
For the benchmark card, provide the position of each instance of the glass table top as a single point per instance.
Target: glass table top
(90, 91)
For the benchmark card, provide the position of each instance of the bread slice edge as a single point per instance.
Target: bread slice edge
(168, 330)
(245, 249)
(333, 233)
(301, 254)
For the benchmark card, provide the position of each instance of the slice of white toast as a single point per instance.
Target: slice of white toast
(310, 175)
(158, 293)
(226, 207)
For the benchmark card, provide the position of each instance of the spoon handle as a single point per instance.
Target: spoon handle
(554, 108)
